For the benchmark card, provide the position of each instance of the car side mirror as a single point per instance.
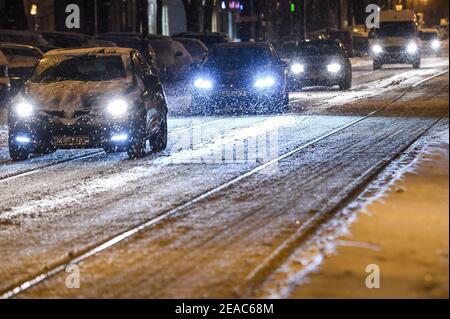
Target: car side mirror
(178, 54)
(150, 81)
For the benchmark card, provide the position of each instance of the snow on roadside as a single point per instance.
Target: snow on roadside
(308, 258)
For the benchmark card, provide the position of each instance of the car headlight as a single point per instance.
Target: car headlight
(23, 109)
(412, 48)
(265, 82)
(117, 107)
(203, 84)
(436, 44)
(334, 67)
(377, 48)
(297, 68)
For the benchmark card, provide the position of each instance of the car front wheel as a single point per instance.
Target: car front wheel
(18, 153)
(158, 143)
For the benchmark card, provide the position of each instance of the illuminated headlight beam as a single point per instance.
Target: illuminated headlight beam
(334, 67)
(436, 44)
(297, 68)
(117, 107)
(119, 138)
(203, 84)
(23, 139)
(24, 109)
(265, 82)
(412, 48)
(377, 49)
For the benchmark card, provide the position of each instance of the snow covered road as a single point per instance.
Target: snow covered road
(69, 202)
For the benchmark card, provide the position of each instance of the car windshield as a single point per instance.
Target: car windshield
(64, 42)
(288, 49)
(209, 40)
(162, 46)
(235, 57)
(123, 42)
(311, 49)
(21, 57)
(427, 36)
(84, 68)
(396, 29)
(194, 48)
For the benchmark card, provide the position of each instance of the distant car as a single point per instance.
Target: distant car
(320, 63)
(131, 40)
(21, 61)
(430, 42)
(246, 76)
(172, 59)
(343, 36)
(26, 38)
(5, 85)
(208, 38)
(89, 98)
(195, 47)
(66, 40)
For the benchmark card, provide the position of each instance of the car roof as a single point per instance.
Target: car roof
(91, 51)
(63, 33)
(18, 46)
(216, 34)
(264, 45)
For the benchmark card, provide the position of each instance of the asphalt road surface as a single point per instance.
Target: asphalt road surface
(223, 207)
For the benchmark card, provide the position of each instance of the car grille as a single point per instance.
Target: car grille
(394, 50)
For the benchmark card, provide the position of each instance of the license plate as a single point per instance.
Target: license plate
(71, 140)
(234, 93)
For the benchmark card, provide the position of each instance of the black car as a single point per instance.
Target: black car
(320, 63)
(5, 85)
(89, 98)
(26, 38)
(21, 61)
(241, 75)
(208, 38)
(132, 40)
(66, 40)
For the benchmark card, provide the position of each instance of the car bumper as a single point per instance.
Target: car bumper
(223, 98)
(37, 132)
(325, 79)
(396, 57)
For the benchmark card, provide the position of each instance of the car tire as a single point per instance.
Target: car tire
(109, 149)
(136, 149)
(18, 154)
(283, 104)
(416, 64)
(345, 84)
(46, 149)
(158, 143)
(377, 65)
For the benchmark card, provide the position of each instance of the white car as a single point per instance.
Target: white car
(5, 85)
(172, 59)
(430, 42)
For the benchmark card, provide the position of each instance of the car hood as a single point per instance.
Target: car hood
(71, 96)
(319, 60)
